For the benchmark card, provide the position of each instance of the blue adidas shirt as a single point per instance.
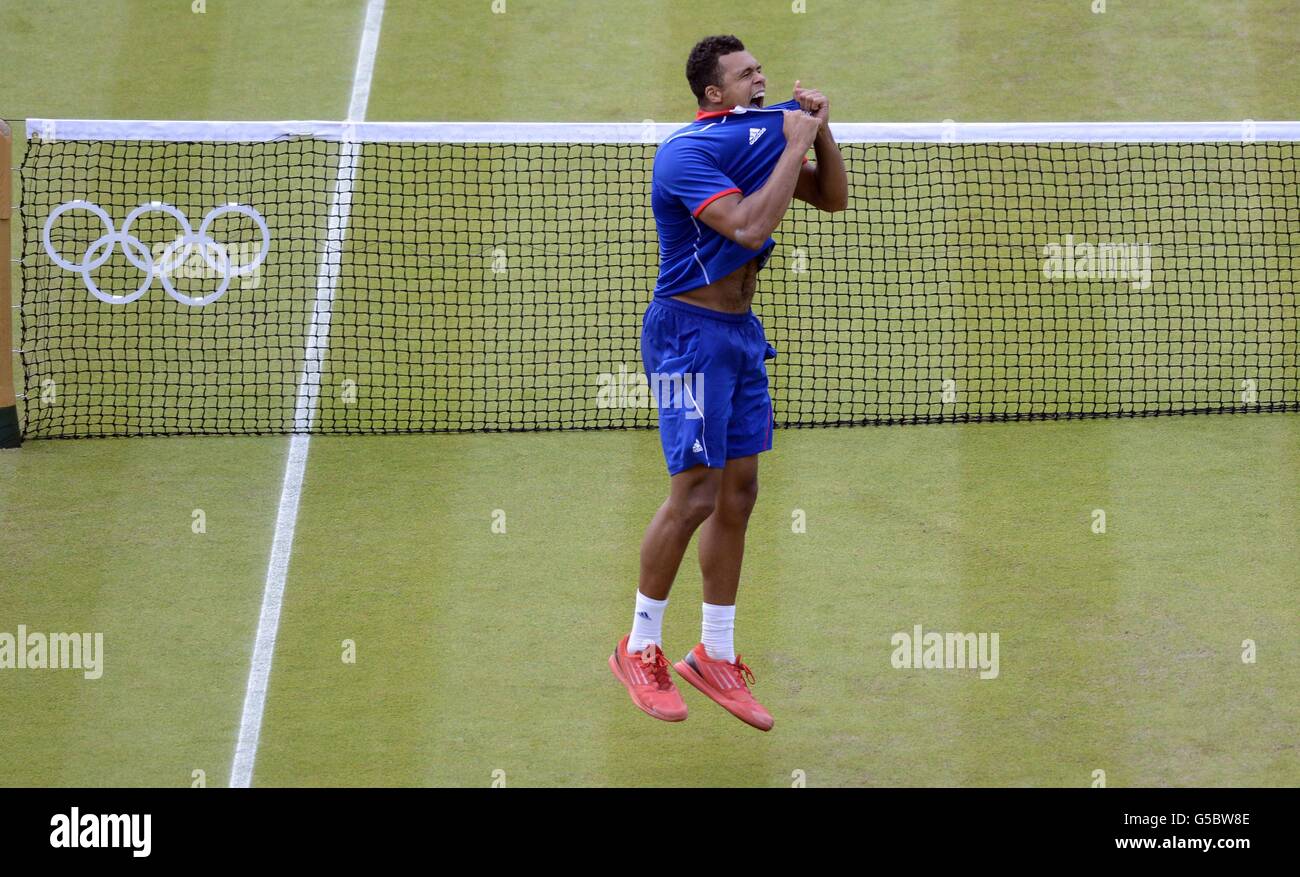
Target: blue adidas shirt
(718, 153)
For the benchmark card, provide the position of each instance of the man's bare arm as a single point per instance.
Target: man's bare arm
(824, 183)
(750, 220)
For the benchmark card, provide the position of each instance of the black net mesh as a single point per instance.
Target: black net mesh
(487, 287)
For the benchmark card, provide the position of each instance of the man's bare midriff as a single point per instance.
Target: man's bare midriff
(731, 294)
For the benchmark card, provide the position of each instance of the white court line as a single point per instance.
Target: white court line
(318, 331)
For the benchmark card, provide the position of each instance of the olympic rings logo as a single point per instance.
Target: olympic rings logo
(173, 256)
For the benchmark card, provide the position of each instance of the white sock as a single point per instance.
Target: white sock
(647, 623)
(718, 631)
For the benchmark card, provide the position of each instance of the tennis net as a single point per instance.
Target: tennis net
(229, 278)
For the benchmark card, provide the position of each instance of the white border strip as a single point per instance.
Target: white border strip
(647, 132)
(317, 343)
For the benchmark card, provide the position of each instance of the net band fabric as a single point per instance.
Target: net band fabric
(652, 132)
(486, 284)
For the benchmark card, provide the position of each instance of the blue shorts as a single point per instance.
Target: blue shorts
(708, 378)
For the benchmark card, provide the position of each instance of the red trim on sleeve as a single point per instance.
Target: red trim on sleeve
(711, 199)
(701, 114)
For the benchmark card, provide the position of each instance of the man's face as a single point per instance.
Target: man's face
(743, 83)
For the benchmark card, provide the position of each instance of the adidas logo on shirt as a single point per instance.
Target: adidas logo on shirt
(754, 134)
(697, 447)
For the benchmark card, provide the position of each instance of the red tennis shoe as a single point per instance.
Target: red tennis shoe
(725, 683)
(646, 677)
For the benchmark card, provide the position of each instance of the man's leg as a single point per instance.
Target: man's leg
(692, 497)
(638, 660)
(722, 549)
(713, 666)
(689, 357)
(722, 538)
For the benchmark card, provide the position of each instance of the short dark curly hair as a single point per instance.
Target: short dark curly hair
(702, 65)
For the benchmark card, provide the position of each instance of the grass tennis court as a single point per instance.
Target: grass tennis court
(479, 651)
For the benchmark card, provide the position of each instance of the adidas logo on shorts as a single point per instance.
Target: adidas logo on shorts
(697, 447)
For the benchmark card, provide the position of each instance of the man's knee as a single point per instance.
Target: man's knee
(694, 498)
(736, 501)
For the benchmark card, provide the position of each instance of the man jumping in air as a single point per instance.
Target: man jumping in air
(721, 186)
